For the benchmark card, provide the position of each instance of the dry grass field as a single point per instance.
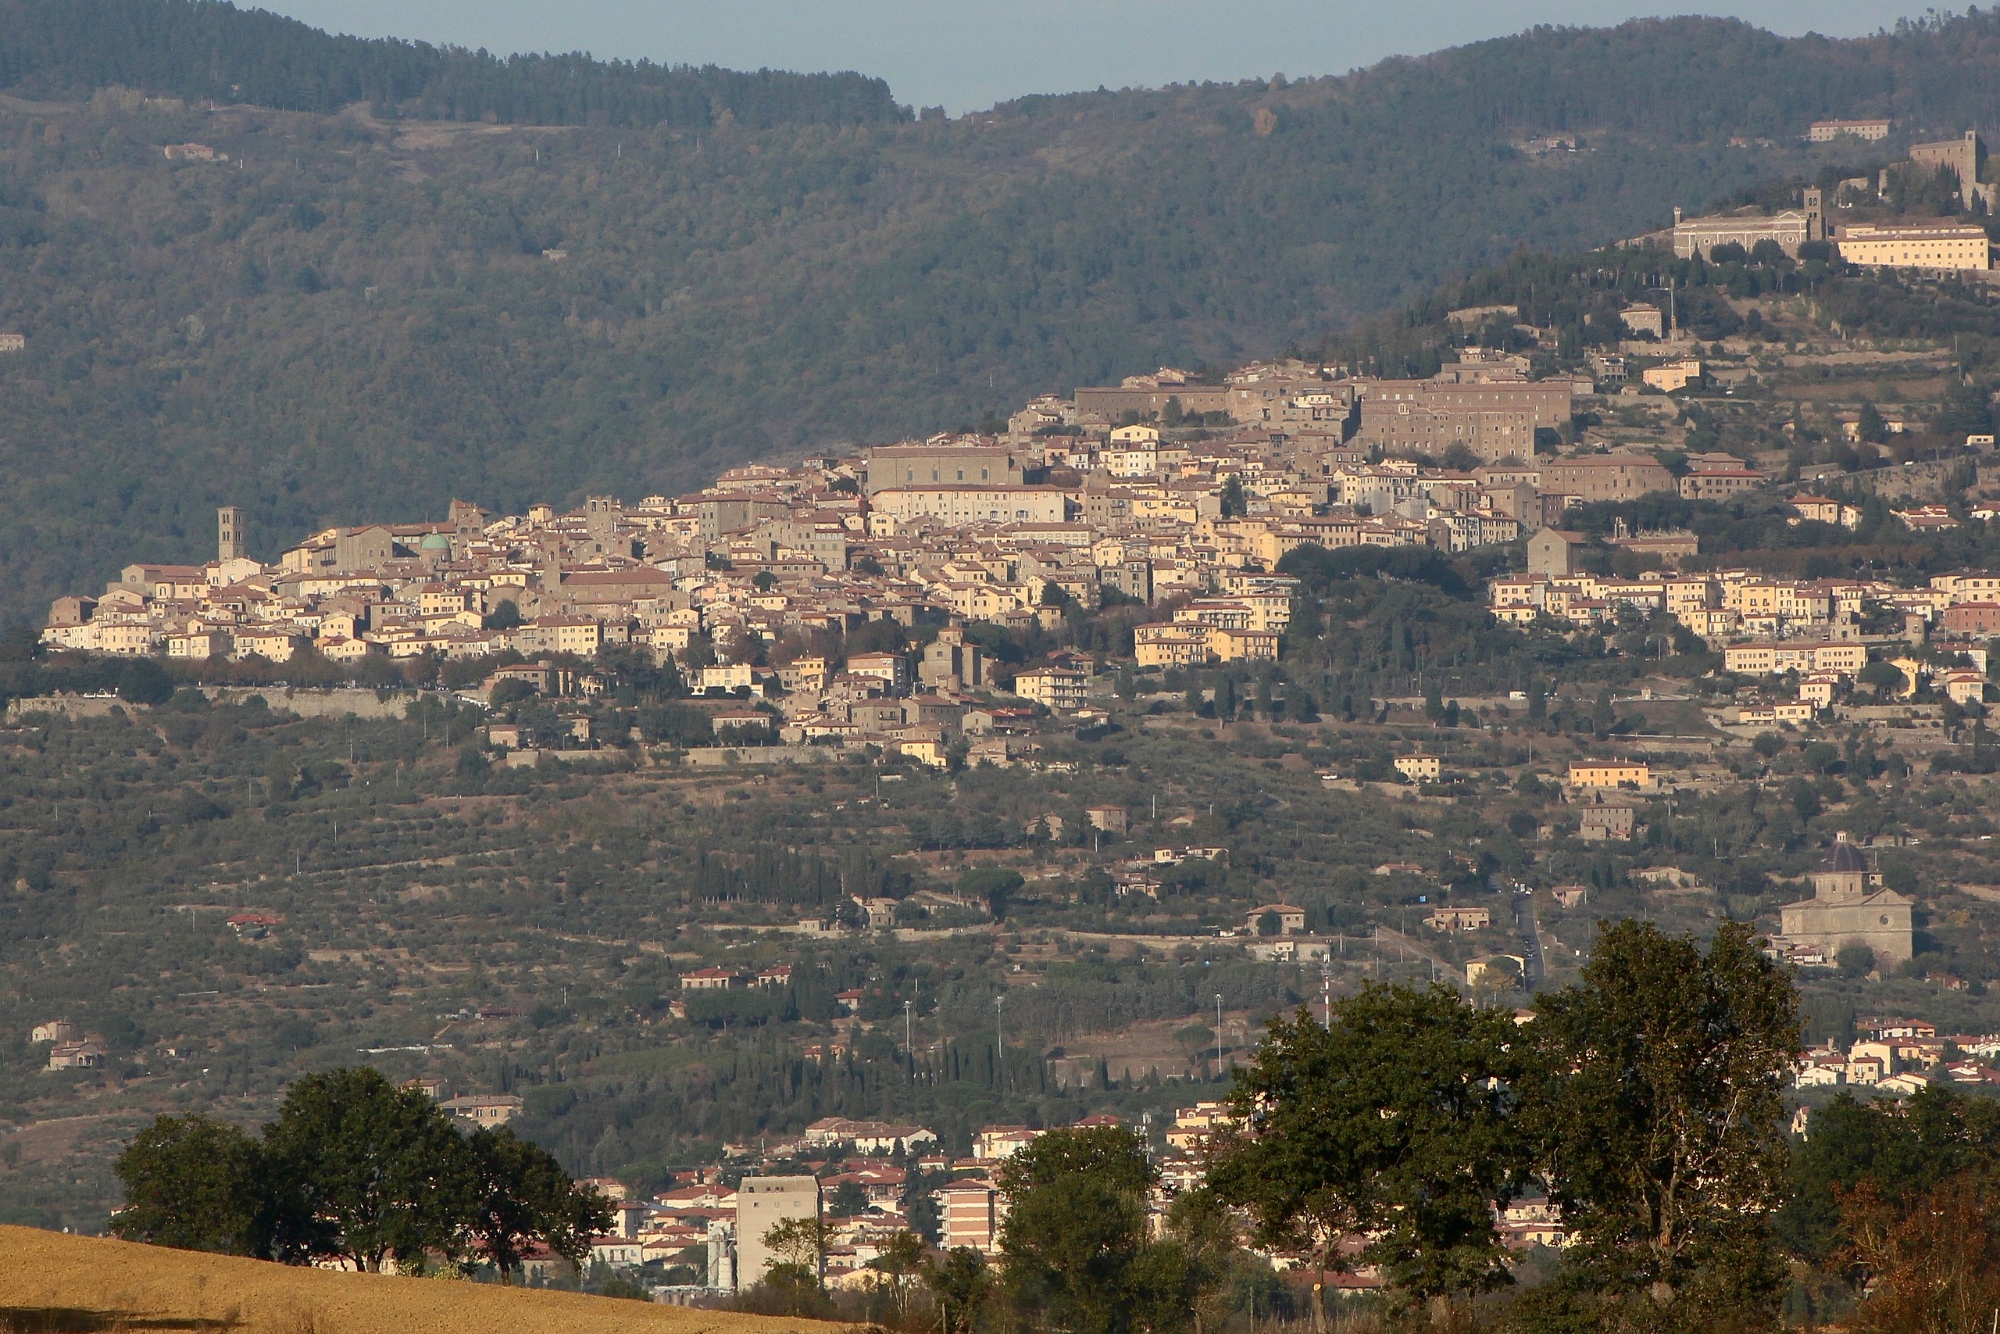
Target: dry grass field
(51, 1283)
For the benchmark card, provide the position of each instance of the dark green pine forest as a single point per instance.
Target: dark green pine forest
(356, 315)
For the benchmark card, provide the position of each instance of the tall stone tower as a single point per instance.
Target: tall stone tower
(230, 538)
(1815, 214)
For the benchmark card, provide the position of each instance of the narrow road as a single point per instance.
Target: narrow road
(1531, 938)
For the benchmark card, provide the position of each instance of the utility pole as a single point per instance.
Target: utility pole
(1218, 1033)
(1326, 987)
(999, 1034)
(908, 1050)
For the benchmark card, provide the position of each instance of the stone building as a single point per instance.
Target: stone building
(1607, 476)
(1493, 420)
(1790, 228)
(947, 465)
(1964, 156)
(1849, 903)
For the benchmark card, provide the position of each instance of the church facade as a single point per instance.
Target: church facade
(1849, 904)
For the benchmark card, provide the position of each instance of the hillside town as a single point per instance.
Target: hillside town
(1112, 498)
(1064, 508)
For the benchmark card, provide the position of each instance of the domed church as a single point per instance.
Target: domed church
(1850, 904)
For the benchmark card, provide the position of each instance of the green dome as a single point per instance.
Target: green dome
(436, 542)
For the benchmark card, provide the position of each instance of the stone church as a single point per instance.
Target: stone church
(1849, 903)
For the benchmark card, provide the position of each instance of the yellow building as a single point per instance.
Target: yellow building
(1770, 659)
(1904, 246)
(1610, 773)
(1227, 645)
(1673, 376)
(1194, 644)
(1420, 768)
(1173, 644)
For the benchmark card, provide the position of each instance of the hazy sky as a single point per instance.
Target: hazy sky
(968, 54)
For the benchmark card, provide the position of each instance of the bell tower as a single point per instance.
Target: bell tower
(230, 538)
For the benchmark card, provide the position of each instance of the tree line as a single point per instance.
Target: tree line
(359, 1170)
(209, 50)
(1644, 1100)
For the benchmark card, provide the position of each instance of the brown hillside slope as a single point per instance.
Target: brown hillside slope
(127, 1286)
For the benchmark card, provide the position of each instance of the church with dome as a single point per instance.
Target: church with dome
(1849, 904)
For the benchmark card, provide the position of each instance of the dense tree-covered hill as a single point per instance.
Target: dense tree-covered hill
(209, 51)
(354, 315)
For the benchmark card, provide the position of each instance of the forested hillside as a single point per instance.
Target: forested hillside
(353, 317)
(201, 50)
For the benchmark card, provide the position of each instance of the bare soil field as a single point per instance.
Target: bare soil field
(53, 1281)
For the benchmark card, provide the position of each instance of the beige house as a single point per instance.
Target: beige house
(1056, 688)
(1610, 773)
(1111, 819)
(1849, 904)
(484, 1109)
(1420, 768)
(87, 1054)
(1459, 919)
(1291, 921)
(970, 502)
(1673, 376)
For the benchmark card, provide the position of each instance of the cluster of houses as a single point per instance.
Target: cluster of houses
(1729, 607)
(1809, 629)
(1899, 1057)
(70, 1048)
(861, 1180)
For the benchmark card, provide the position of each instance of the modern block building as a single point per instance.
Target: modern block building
(761, 1204)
